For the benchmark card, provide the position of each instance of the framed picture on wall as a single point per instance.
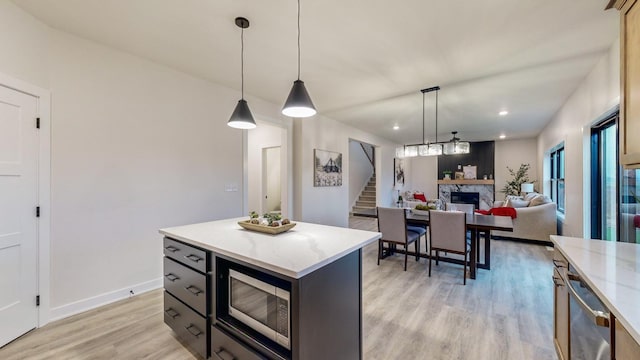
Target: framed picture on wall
(459, 175)
(328, 168)
(470, 172)
(398, 171)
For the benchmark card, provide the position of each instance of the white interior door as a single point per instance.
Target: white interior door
(271, 185)
(18, 223)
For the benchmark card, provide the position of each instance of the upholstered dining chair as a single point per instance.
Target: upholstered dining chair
(392, 223)
(447, 232)
(466, 208)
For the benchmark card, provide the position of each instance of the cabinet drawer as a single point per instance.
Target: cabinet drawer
(186, 254)
(559, 260)
(225, 347)
(186, 284)
(186, 323)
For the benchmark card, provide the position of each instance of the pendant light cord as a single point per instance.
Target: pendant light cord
(242, 63)
(298, 39)
(422, 118)
(436, 116)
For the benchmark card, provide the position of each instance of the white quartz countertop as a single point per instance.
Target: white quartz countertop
(295, 253)
(612, 270)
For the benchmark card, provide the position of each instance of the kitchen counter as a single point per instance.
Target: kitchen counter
(612, 270)
(295, 253)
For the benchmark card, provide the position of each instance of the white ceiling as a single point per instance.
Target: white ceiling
(364, 61)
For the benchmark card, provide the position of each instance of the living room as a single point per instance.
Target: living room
(134, 138)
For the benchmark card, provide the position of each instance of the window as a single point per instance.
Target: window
(604, 179)
(556, 162)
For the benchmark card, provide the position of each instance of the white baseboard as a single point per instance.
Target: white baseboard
(79, 306)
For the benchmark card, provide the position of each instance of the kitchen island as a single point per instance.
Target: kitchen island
(612, 271)
(317, 268)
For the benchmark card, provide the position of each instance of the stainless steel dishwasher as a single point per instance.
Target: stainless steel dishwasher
(590, 321)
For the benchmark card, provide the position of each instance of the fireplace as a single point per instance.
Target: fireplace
(466, 198)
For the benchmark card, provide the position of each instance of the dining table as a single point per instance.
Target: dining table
(477, 224)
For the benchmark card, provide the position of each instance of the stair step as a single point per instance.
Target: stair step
(370, 204)
(368, 193)
(367, 198)
(363, 208)
(370, 188)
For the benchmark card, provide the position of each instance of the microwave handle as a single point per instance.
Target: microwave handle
(599, 318)
(223, 354)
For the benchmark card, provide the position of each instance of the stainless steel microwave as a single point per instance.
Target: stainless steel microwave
(263, 307)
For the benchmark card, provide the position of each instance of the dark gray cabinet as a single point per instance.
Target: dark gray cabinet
(187, 284)
(326, 314)
(325, 308)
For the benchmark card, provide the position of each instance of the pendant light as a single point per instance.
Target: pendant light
(299, 104)
(426, 148)
(241, 117)
(455, 146)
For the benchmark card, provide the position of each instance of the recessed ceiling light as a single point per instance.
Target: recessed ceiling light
(396, 127)
(503, 113)
(502, 136)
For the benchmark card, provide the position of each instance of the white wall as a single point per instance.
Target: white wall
(135, 147)
(422, 175)
(23, 44)
(330, 205)
(360, 170)
(513, 153)
(597, 94)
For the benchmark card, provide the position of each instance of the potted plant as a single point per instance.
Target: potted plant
(447, 174)
(521, 176)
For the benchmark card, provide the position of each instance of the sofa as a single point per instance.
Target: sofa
(629, 218)
(410, 200)
(532, 222)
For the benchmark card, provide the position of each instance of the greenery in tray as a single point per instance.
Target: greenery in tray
(253, 215)
(425, 207)
(272, 218)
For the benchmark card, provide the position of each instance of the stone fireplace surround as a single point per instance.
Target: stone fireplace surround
(485, 188)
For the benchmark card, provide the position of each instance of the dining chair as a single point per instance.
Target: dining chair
(447, 232)
(392, 223)
(465, 208)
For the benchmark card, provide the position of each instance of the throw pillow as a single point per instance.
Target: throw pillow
(530, 196)
(539, 200)
(420, 197)
(516, 203)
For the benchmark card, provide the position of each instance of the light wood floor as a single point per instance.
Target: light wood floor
(506, 313)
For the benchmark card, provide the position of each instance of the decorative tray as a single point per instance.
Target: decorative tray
(266, 228)
(420, 212)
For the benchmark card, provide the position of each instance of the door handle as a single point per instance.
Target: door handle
(557, 281)
(172, 248)
(194, 290)
(195, 333)
(559, 263)
(171, 312)
(172, 277)
(598, 317)
(223, 354)
(194, 258)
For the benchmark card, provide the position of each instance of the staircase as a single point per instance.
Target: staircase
(366, 203)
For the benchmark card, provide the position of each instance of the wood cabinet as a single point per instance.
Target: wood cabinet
(560, 307)
(626, 348)
(187, 284)
(630, 82)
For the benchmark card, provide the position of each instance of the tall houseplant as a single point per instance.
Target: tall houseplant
(512, 187)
